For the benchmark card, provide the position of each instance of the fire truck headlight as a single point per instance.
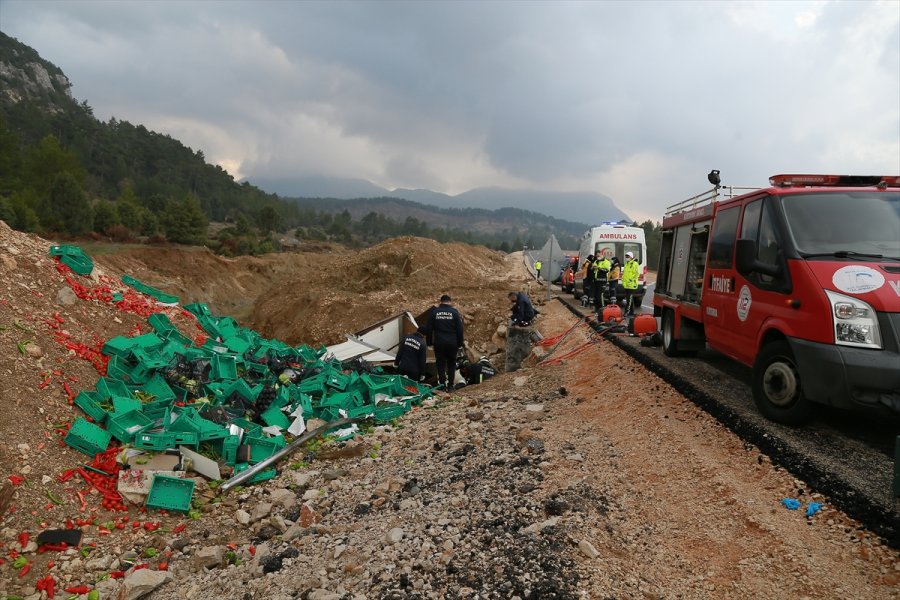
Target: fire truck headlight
(854, 321)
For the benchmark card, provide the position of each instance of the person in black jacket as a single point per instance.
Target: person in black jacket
(523, 312)
(478, 372)
(446, 330)
(410, 359)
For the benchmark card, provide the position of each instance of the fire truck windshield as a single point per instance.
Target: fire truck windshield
(844, 224)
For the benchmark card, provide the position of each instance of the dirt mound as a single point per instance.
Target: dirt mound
(409, 273)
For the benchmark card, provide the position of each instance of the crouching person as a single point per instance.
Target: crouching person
(523, 312)
(411, 356)
(478, 372)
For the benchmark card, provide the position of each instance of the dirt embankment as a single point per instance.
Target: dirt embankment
(583, 478)
(317, 297)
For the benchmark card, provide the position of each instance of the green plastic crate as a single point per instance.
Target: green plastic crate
(89, 402)
(60, 250)
(86, 437)
(159, 388)
(360, 411)
(186, 438)
(126, 425)
(157, 408)
(123, 404)
(107, 388)
(263, 475)
(229, 449)
(154, 440)
(275, 416)
(223, 367)
(238, 344)
(388, 411)
(262, 448)
(73, 257)
(248, 426)
(149, 291)
(210, 435)
(197, 309)
(170, 493)
(160, 323)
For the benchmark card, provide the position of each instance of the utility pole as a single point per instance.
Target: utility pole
(550, 266)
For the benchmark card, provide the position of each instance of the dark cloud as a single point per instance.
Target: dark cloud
(450, 95)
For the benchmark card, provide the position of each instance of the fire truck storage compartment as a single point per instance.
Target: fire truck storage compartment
(686, 264)
(696, 264)
(665, 264)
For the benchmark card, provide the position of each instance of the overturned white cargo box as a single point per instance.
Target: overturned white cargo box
(376, 343)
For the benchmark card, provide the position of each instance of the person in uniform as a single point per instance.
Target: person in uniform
(446, 330)
(411, 356)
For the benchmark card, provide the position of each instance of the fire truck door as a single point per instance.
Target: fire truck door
(719, 296)
(754, 297)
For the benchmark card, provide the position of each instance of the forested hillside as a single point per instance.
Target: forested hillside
(64, 172)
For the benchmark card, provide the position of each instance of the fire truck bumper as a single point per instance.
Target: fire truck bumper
(846, 377)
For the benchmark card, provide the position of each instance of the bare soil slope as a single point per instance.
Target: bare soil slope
(582, 478)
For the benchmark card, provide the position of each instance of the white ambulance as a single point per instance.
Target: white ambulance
(613, 239)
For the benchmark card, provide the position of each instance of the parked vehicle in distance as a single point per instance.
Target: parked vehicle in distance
(800, 281)
(566, 279)
(613, 239)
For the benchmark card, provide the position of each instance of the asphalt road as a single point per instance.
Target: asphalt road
(846, 455)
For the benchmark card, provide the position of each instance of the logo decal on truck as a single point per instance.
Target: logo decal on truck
(743, 303)
(857, 279)
(896, 286)
(721, 284)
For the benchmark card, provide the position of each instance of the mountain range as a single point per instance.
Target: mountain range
(581, 207)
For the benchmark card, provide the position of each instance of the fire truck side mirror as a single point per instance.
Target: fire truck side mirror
(746, 263)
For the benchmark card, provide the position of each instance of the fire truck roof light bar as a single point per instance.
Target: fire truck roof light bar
(799, 180)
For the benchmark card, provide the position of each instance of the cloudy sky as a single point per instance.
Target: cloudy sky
(636, 100)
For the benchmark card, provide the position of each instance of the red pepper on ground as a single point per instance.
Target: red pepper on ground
(78, 589)
(23, 538)
(16, 479)
(116, 574)
(24, 570)
(48, 584)
(179, 528)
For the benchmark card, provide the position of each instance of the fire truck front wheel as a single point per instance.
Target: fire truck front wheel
(669, 341)
(777, 389)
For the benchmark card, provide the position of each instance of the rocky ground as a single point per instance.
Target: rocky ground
(585, 477)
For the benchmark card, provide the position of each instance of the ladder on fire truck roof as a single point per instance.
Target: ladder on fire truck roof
(713, 195)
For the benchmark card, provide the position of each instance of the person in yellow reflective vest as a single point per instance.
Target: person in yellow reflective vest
(630, 275)
(601, 271)
(615, 274)
(537, 269)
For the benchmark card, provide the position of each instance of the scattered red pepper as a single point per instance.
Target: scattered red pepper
(23, 539)
(163, 566)
(116, 574)
(78, 589)
(48, 584)
(179, 528)
(24, 570)
(141, 566)
(151, 526)
(16, 479)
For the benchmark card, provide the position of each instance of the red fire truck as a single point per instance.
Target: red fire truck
(800, 281)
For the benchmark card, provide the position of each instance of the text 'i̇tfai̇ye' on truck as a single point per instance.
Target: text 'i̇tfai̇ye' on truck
(800, 281)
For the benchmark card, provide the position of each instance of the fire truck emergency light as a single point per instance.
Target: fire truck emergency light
(834, 180)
